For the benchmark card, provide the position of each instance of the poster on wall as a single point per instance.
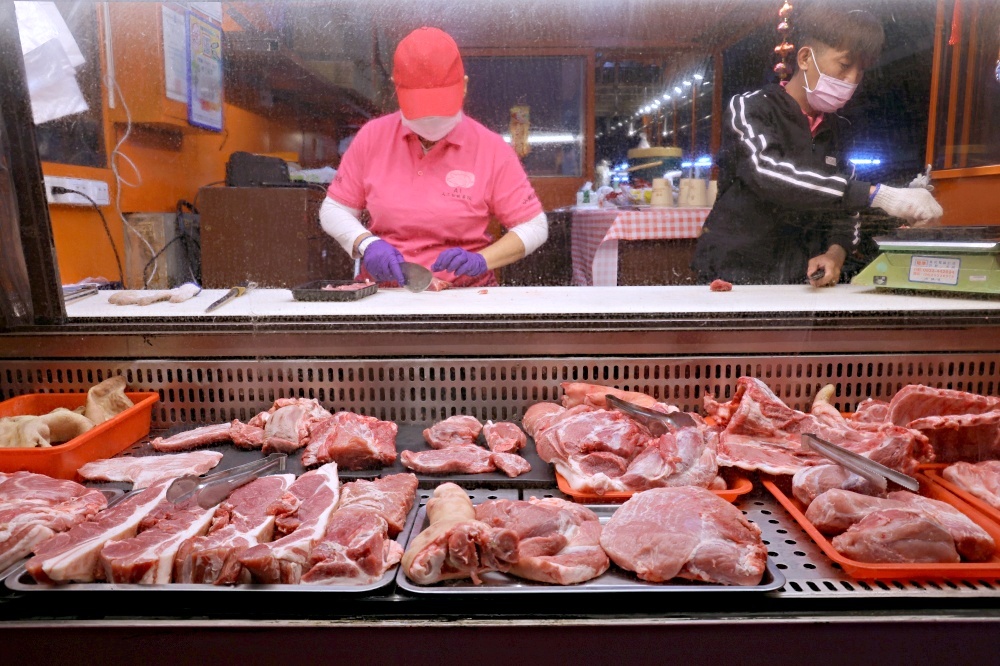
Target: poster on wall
(175, 52)
(204, 72)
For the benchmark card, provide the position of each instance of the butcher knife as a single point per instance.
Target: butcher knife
(654, 421)
(867, 468)
(210, 490)
(230, 295)
(417, 277)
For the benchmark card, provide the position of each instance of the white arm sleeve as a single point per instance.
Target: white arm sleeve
(532, 233)
(341, 223)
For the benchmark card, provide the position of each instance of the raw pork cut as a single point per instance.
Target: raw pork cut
(836, 510)
(107, 400)
(454, 544)
(148, 557)
(141, 471)
(287, 428)
(459, 430)
(981, 480)
(558, 542)
(916, 401)
(583, 430)
(761, 433)
(73, 556)
(897, 536)
(192, 439)
(357, 547)
(510, 464)
(390, 496)
(504, 437)
(245, 436)
(685, 532)
(810, 482)
(540, 416)
(684, 457)
(353, 441)
(35, 507)
(592, 395)
(465, 459)
(239, 523)
(964, 437)
(285, 560)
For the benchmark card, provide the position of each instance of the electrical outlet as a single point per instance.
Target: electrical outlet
(95, 189)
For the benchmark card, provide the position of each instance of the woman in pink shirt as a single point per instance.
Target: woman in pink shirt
(431, 179)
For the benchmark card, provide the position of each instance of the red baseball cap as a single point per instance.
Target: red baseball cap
(429, 75)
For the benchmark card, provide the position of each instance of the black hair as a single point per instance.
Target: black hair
(833, 25)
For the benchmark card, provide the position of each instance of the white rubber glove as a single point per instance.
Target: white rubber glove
(915, 205)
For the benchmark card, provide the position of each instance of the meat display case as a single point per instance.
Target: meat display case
(418, 369)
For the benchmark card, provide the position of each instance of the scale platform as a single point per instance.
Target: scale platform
(958, 259)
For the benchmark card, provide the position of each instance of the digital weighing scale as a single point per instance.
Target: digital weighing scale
(958, 259)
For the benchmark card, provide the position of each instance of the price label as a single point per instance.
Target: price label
(935, 270)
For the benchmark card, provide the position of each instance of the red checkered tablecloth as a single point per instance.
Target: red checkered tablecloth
(595, 233)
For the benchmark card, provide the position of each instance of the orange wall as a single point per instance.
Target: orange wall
(969, 201)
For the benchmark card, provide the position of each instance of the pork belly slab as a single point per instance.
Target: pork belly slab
(685, 532)
(148, 558)
(558, 541)
(358, 547)
(192, 439)
(454, 544)
(462, 459)
(73, 556)
(142, 471)
(239, 523)
(284, 560)
(35, 507)
(353, 441)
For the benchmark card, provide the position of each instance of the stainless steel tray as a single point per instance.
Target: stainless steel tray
(613, 580)
(18, 579)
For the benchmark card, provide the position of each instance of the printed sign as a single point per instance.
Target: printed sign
(935, 270)
(204, 72)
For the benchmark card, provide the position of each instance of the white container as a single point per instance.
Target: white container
(693, 193)
(663, 194)
(713, 192)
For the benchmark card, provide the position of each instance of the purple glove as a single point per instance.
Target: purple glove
(382, 260)
(460, 262)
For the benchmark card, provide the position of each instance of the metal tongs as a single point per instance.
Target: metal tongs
(655, 422)
(874, 472)
(212, 489)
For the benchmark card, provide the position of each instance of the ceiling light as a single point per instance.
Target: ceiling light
(666, 96)
(699, 77)
(687, 83)
(677, 90)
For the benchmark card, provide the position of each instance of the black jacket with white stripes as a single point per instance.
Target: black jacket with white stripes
(783, 197)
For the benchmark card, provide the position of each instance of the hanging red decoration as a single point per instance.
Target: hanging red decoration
(785, 48)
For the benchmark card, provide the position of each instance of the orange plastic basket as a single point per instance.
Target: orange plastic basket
(895, 571)
(102, 441)
(740, 485)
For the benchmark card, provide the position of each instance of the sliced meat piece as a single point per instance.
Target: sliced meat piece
(353, 441)
(685, 457)
(239, 523)
(390, 496)
(356, 549)
(459, 430)
(510, 464)
(73, 556)
(143, 471)
(468, 459)
(285, 560)
(192, 439)
(148, 558)
(720, 285)
(558, 542)
(981, 479)
(454, 544)
(35, 507)
(898, 536)
(810, 482)
(582, 430)
(685, 532)
(963, 437)
(580, 393)
(504, 436)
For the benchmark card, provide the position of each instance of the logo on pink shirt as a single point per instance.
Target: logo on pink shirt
(458, 178)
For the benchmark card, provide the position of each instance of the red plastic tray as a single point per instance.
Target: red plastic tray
(740, 485)
(102, 441)
(934, 474)
(894, 571)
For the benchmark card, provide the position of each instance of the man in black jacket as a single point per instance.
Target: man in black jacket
(784, 212)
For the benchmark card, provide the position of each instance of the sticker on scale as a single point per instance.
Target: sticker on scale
(935, 270)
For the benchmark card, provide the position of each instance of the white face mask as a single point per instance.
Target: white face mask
(830, 94)
(433, 128)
